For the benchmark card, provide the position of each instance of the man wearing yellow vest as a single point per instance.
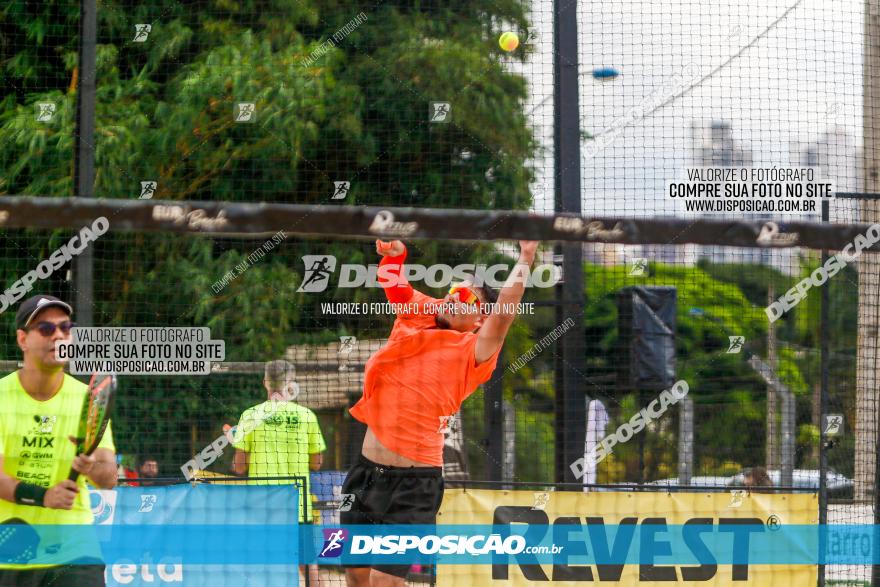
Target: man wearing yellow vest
(280, 438)
(39, 416)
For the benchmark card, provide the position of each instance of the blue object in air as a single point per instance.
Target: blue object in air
(605, 73)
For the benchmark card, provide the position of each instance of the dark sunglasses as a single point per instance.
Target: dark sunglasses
(48, 328)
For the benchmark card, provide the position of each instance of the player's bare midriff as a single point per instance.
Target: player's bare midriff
(376, 452)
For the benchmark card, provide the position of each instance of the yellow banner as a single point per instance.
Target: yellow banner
(481, 506)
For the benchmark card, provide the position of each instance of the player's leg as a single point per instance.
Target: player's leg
(85, 575)
(382, 579)
(314, 575)
(415, 499)
(21, 578)
(357, 576)
(360, 482)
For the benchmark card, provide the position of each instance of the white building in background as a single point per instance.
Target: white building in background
(835, 154)
(713, 144)
(606, 254)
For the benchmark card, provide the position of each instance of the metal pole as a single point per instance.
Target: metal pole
(493, 417)
(823, 405)
(786, 475)
(84, 153)
(571, 413)
(686, 441)
(508, 462)
(867, 442)
(641, 440)
(772, 458)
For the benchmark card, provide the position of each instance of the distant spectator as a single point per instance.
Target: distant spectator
(147, 471)
(756, 478)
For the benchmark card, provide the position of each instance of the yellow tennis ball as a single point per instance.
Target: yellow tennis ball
(509, 41)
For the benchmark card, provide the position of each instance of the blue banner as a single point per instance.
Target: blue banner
(199, 535)
(236, 535)
(166, 534)
(577, 544)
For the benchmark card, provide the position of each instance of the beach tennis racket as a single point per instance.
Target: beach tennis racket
(18, 542)
(94, 416)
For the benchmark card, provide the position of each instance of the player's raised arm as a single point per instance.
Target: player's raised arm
(397, 289)
(494, 329)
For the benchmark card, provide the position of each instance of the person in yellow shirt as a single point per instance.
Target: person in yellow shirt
(40, 415)
(280, 438)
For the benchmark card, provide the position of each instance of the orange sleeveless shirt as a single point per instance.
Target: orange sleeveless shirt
(417, 380)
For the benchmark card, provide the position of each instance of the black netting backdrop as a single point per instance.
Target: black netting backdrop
(401, 104)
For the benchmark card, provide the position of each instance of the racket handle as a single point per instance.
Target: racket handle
(74, 475)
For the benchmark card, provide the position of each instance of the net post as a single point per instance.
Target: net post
(84, 152)
(823, 404)
(570, 409)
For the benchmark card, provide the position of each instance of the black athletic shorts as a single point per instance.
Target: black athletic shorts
(74, 575)
(392, 495)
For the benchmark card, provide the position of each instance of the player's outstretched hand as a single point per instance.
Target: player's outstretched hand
(527, 250)
(61, 496)
(390, 248)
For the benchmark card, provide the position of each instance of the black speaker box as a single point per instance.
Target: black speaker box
(646, 320)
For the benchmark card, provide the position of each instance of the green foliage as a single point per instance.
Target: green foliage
(327, 107)
(753, 280)
(165, 112)
(714, 302)
(790, 372)
(357, 111)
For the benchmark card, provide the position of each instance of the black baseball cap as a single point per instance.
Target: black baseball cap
(36, 304)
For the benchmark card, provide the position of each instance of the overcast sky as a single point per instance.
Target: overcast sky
(801, 77)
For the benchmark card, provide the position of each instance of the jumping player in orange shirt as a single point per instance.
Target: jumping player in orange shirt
(438, 353)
